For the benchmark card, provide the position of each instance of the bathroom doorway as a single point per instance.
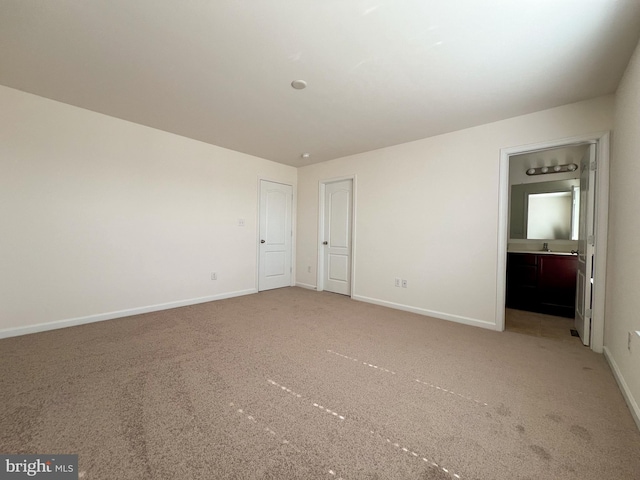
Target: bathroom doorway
(540, 265)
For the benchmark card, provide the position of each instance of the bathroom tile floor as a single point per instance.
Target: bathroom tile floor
(540, 325)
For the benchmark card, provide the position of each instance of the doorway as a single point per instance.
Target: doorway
(335, 236)
(275, 235)
(591, 247)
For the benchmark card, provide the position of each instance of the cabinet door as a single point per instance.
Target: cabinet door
(522, 281)
(557, 283)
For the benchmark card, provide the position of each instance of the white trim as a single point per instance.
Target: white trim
(602, 213)
(429, 313)
(320, 265)
(503, 238)
(354, 218)
(71, 322)
(294, 233)
(601, 232)
(626, 392)
(320, 253)
(308, 286)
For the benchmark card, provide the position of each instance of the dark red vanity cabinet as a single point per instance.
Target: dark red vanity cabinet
(542, 282)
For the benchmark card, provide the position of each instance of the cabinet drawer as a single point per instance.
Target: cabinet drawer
(522, 259)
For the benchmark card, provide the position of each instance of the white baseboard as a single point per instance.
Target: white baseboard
(306, 285)
(626, 393)
(429, 313)
(70, 322)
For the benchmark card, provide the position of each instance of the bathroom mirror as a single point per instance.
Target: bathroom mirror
(545, 210)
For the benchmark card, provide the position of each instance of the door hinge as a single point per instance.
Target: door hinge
(587, 313)
(591, 240)
(593, 166)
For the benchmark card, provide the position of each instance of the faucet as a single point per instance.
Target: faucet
(545, 247)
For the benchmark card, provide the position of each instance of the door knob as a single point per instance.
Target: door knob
(262, 241)
(325, 243)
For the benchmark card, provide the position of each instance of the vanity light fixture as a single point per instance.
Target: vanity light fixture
(570, 167)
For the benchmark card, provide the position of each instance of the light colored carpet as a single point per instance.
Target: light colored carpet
(295, 384)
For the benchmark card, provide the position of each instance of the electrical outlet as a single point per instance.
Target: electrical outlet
(214, 276)
(404, 283)
(241, 222)
(397, 282)
(309, 269)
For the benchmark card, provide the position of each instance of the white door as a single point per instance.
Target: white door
(275, 235)
(337, 237)
(586, 242)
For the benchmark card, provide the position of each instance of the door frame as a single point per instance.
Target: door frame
(321, 201)
(293, 228)
(602, 141)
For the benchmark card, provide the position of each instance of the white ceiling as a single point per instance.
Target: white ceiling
(379, 72)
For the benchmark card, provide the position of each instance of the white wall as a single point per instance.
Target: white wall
(99, 215)
(427, 211)
(623, 269)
